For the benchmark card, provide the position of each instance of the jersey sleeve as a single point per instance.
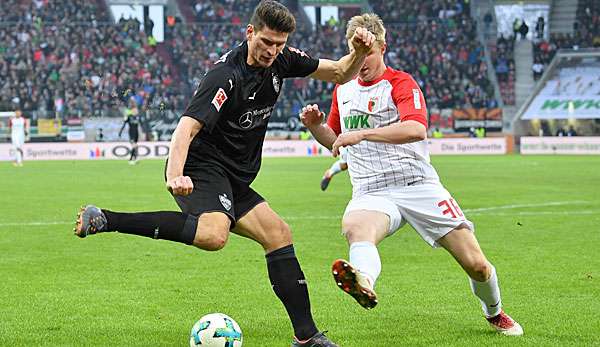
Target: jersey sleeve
(409, 100)
(211, 97)
(333, 119)
(297, 63)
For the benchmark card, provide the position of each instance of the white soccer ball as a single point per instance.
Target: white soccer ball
(216, 330)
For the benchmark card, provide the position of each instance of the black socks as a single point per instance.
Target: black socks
(290, 287)
(166, 225)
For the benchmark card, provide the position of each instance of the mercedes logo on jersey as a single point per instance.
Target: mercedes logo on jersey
(246, 120)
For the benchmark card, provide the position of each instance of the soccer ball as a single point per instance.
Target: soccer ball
(216, 330)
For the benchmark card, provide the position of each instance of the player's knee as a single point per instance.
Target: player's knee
(354, 230)
(212, 235)
(212, 239)
(480, 269)
(279, 236)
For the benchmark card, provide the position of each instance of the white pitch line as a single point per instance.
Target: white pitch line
(477, 211)
(507, 207)
(29, 224)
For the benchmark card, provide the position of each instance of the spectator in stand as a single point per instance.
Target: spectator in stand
(516, 28)
(539, 28)
(538, 70)
(523, 29)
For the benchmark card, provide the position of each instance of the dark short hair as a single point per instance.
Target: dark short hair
(274, 15)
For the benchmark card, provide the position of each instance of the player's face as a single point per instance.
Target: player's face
(264, 45)
(373, 66)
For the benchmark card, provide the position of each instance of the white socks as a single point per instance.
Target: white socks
(364, 256)
(488, 293)
(19, 156)
(335, 168)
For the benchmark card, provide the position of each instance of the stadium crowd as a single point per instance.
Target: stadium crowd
(62, 62)
(67, 59)
(586, 33)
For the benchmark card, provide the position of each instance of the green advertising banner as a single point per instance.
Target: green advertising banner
(557, 107)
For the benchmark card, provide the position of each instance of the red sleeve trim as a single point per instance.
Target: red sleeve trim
(417, 118)
(333, 120)
(409, 99)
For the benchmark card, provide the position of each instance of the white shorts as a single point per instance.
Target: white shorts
(18, 141)
(343, 158)
(428, 208)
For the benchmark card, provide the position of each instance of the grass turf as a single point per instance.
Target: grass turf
(537, 219)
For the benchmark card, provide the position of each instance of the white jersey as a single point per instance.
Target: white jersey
(376, 166)
(17, 126)
(17, 132)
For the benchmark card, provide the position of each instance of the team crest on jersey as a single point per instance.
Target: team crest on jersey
(276, 83)
(219, 99)
(225, 201)
(372, 104)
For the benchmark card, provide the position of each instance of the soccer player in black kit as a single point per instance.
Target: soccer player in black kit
(215, 154)
(132, 120)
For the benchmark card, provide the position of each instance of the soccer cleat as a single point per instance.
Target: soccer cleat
(318, 340)
(90, 220)
(354, 283)
(325, 180)
(505, 325)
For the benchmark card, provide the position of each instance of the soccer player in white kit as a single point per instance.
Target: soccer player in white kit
(380, 118)
(340, 165)
(19, 128)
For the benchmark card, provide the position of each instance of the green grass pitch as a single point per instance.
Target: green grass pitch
(537, 219)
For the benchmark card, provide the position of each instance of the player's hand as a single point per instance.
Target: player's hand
(180, 185)
(346, 139)
(362, 41)
(310, 115)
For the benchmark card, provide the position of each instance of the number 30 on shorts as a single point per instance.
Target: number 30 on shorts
(450, 207)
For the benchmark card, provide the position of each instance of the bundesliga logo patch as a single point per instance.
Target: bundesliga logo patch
(219, 99)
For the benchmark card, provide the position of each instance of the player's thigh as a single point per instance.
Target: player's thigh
(212, 202)
(264, 226)
(18, 141)
(431, 211)
(365, 225)
(370, 217)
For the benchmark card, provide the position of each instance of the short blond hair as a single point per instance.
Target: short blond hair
(369, 21)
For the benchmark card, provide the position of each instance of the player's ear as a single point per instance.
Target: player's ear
(249, 32)
(383, 48)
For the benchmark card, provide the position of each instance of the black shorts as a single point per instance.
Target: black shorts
(134, 135)
(215, 192)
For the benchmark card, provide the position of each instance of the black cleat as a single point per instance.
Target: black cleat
(325, 180)
(318, 340)
(90, 220)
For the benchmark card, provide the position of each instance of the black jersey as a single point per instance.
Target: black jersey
(234, 102)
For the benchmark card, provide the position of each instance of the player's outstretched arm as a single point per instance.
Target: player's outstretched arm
(397, 133)
(344, 70)
(186, 130)
(123, 126)
(312, 118)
